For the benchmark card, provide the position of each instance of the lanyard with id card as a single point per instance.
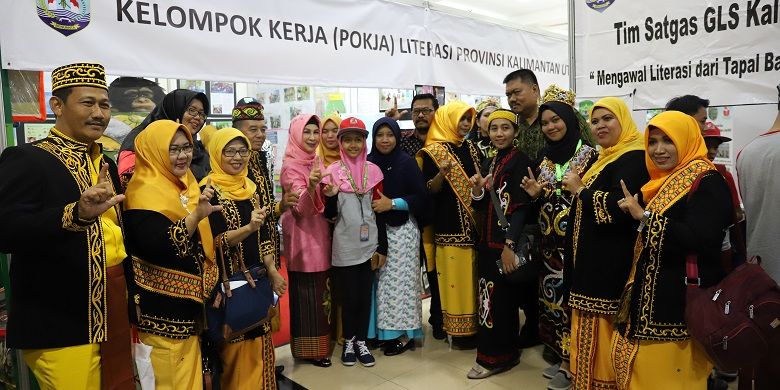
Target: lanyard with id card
(364, 232)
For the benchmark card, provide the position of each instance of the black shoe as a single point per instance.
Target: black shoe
(439, 333)
(279, 370)
(319, 362)
(396, 347)
(714, 383)
(464, 343)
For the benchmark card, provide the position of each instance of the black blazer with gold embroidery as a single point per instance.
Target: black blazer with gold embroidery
(58, 285)
(169, 278)
(695, 224)
(600, 240)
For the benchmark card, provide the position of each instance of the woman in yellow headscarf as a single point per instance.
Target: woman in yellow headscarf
(448, 163)
(597, 263)
(328, 151)
(173, 267)
(248, 361)
(688, 209)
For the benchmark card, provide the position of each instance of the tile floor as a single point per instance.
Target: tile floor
(434, 366)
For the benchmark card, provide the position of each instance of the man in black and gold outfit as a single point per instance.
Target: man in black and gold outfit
(249, 119)
(60, 220)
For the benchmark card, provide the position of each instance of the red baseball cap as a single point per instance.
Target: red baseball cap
(352, 125)
(713, 132)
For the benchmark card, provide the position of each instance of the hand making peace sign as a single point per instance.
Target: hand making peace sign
(95, 200)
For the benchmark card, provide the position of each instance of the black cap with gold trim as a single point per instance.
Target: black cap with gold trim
(248, 109)
(79, 75)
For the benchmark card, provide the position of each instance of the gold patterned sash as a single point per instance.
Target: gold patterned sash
(457, 178)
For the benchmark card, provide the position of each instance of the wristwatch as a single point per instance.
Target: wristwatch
(646, 216)
(392, 202)
(510, 245)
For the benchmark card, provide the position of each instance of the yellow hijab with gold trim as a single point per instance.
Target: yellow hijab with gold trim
(686, 136)
(445, 124)
(154, 187)
(329, 156)
(233, 187)
(630, 138)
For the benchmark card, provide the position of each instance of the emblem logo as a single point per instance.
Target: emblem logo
(599, 5)
(64, 16)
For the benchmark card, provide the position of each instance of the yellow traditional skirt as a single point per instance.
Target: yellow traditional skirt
(176, 363)
(249, 364)
(668, 365)
(456, 268)
(591, 363)
(75, 367)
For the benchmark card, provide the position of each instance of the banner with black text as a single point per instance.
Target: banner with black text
(724, 50)
(302, 42)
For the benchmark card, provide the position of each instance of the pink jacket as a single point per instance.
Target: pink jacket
(306, 231)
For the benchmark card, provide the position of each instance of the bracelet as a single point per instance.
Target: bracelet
(479, 197)
(577, 195)
(510, 245)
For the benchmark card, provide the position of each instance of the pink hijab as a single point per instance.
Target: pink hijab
(297, 161)
(356, 166)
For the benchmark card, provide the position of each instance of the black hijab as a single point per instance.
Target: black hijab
(173, 106)
(402, 177)
(562, 151)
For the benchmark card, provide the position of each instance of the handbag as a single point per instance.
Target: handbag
(737, 320)
(244, 301)
(527, 270)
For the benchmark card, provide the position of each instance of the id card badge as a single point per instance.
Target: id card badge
(364, 232)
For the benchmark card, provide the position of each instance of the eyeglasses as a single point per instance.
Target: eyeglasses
(424, 111)
(232, 152)
(176, 150)
(195, 112)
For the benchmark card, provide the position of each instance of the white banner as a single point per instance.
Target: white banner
(725, 51)
(346, 43)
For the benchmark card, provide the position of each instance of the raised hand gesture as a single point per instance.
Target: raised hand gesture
(531, 185)
(315, 176)
(393, 112)
(630, 203)
(95, 200)
(446, 167)
(205, 208)
(572, 182)
(289, 198)
(478, 182)
(258, 215)
(382, 204)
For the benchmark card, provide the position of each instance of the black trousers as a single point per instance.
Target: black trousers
(354, 286)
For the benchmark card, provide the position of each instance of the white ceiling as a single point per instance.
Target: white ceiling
(546, 16)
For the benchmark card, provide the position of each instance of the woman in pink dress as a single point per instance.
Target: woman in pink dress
(307, 244)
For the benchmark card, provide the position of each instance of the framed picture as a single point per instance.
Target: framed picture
(28, 101)
(434, 90)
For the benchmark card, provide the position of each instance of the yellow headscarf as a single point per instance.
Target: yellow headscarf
(205, 134)
(154, 187)
(445, 124)
(630, 138)
(329, 156)
(233, 187)
(687, 138)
